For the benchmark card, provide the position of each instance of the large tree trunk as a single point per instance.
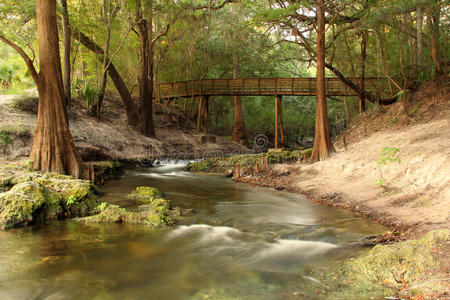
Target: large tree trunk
(66, 51)
(322, 142)
(146, 73)
(122, 89)
(53, 147)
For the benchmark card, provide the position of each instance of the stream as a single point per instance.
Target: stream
(242, 242)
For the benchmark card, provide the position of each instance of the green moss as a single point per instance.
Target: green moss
(147, 195)
(145, 214)
(154, 210)
(222, 164)
(408, 267)
(26, 203)
(67, 187)
(34, 199)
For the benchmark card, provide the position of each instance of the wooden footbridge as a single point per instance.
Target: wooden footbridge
(257, 87)
(277, 87)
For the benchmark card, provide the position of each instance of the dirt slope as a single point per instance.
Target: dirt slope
(111, 137)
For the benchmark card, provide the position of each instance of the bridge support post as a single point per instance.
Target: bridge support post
(203, 114)
(199, 114)
(279, 122)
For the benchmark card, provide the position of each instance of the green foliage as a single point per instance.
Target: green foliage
(14, 75)
(101, 207)
(6, 76)
(387, 155)
(72, 200)
(5, 138)
(86, 91)
(90, 93)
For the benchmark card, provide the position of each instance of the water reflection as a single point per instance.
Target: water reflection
(243, 243)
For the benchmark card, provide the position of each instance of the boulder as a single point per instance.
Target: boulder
(34, 200)
(155, 217)
(147, 195)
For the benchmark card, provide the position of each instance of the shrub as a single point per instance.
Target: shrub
(26, 104)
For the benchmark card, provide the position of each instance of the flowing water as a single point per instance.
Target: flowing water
(242, 242)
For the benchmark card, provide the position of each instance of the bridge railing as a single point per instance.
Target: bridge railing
(257, 87)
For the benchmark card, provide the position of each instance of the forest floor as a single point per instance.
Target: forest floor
(416, 193)
(111, 138)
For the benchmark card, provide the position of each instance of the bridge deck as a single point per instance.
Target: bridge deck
(258, 87)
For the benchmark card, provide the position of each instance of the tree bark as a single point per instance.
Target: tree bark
(146, 72)
(66, 51)
(322, 142)
(419, 23)
(53, 148)
(433, 20)
(122, 89)
(362, 96)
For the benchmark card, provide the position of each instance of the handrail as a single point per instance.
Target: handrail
(257, 87)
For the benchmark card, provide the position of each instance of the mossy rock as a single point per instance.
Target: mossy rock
(387, 269)
(69, 187)
(37, 199)
(6, 183)
(144, 214)
(148, 195)
(27, 203)
(223, 164)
